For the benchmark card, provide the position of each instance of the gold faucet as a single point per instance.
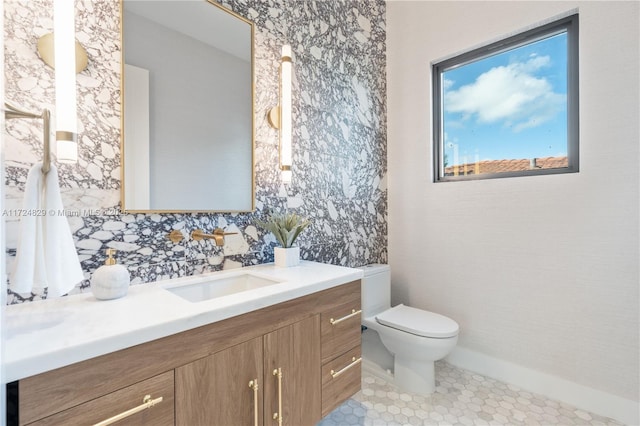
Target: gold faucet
(217, 236)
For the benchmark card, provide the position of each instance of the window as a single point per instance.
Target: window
(509, 108)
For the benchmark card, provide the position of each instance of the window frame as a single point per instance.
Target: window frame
(568, 24)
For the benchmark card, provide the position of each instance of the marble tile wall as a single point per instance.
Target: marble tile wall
(339, 170)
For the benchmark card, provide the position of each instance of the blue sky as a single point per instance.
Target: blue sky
(508, 106)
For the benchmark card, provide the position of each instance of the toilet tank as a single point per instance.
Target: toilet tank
(376, 289)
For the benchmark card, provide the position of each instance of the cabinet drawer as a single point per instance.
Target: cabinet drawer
(340, 325)
(340, 379)
(115, 403)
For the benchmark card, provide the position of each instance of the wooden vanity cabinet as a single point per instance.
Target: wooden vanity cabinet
(294, 353)
(204, 374)
(219, 389)
(341, 354)
(215, 390)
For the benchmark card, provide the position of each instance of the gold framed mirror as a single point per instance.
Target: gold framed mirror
(187, 139)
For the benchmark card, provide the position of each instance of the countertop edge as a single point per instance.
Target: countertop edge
(20, 367)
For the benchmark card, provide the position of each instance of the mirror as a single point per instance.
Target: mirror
(188, 137)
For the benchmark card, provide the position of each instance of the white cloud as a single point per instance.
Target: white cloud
(446, 83)
(511, 94)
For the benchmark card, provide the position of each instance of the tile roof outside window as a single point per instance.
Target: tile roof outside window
(503, 166)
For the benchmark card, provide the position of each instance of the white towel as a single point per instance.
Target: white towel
(29, 266)
(46, 254)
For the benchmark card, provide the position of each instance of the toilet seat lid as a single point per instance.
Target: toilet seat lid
(419, 322)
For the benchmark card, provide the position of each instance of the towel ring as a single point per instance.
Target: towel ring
(13, 112)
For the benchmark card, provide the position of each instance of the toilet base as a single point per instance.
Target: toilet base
(415, 376)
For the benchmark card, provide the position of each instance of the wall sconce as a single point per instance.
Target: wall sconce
(63, 53)
(279, 117)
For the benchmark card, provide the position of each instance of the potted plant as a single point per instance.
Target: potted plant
(286, 228)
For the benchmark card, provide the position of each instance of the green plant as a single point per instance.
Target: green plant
(286, 227)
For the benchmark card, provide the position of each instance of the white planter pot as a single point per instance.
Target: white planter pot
(285, 257)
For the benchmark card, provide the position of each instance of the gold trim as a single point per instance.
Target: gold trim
(122, 108)
(14, 112)
(278, 416)
(354, 362)
(218, 235)
(110, 253)
(253, 384)
(147, 402)
(273, 117)
(346, 317)
(253, 122)
(199, 235)
(46, 52)
(63, 135)
(175, 236)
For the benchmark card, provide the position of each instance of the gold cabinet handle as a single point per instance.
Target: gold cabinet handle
(339, 320)
(147, 402)
(253, 384)
(278, 416)
(354, 361)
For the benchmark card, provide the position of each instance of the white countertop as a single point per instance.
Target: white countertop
(45, 335)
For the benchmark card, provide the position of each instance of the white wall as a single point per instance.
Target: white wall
(539, 271)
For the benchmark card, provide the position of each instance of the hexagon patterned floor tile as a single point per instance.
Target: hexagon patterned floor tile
(461, 398)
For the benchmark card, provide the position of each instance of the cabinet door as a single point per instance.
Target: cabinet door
(295, 352)
(215, 390)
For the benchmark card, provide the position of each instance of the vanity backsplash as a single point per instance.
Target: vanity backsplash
(339, 118)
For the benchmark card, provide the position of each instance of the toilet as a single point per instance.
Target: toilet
(416, 338)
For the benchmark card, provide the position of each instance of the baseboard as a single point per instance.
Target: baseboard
(375, 370)
(583, 397)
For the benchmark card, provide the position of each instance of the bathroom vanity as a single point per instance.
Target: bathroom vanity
(282, 353)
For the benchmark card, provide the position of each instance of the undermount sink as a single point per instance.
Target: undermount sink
(219, 287)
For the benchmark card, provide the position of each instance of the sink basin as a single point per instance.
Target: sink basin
(219, 287)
